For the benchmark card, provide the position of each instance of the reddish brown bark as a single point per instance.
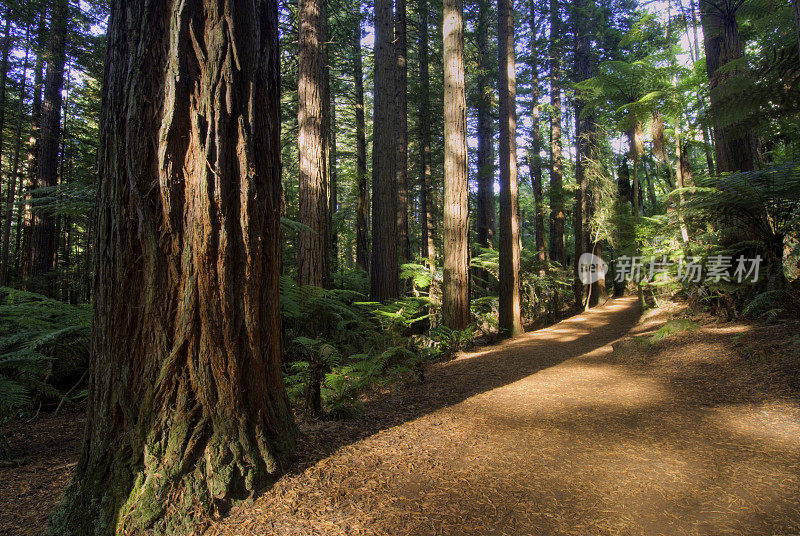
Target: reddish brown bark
(187, 409)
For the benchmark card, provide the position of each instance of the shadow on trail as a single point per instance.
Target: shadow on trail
(477, 372)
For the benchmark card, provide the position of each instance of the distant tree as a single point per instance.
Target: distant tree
(426, 179)
(557, 214)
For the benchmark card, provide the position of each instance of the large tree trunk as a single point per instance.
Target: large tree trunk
(401, 129)
(12, 183)
(312, 247)
(426, 179)
(733, 141)
(510, 310)
(455, 291)
(557, 216)
(333, 199)
(43, 234)
(485, 216)
(187, 409)
(362, 208)
(534, 158)
(384, 268)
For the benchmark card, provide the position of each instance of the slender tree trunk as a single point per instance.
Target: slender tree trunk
(509, 311)
(584, 131)
(6, 48)
(401, 129)
(485, 216)
(534, 158)
(426, 179)
(455, 292)
(557, 216)
(187, 409)
(312, 244)
(362, 207)
(24, 253)
(333, 186)
(12, 183)
(384, 268)
(733, 142)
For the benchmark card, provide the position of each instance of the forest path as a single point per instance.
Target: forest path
(554, 433)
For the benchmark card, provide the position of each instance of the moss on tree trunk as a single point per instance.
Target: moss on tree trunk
(187, 411)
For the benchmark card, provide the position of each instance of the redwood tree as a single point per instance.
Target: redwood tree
(43, 230)
(455, 291)
(187, 409)
(362, 208)
(426, 179)
(384, 268)
(557, 216)
(509, 312)
(401, 109)
(312, 247)
(485, 205)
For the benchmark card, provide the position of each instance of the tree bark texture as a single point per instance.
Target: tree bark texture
(734, 144)
(426, 178)
(455, 291)
(312, 247)
(43, 232)
(401, 108)
(485, 208)
(187, 409)
(384, 267)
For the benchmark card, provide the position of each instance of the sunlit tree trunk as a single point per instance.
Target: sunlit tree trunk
(384, 268)
(187, 410)
(557, 216)
(312, 247)
(509, 311)
(455, 292)
(362, 207)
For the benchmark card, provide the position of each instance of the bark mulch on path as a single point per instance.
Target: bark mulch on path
(552, 433)
(44, 452)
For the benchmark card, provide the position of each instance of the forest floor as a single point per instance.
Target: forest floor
(588, 427)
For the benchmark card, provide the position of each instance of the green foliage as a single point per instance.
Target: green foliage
(44, 345)
(672, 326)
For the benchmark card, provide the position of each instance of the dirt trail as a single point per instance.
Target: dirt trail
(552, 434)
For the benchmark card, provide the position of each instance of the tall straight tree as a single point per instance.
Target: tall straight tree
(557, 216)
(43, 231)
(384, 268)
(485, 208)
(534, 158)
(24, 255)
(5, 48)
(312, 248)
(509, 312)
(584, 130)
(362, 208)
(401, 108)
(455, 292)
(187, 409)
(426, 179)
(734, 144)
